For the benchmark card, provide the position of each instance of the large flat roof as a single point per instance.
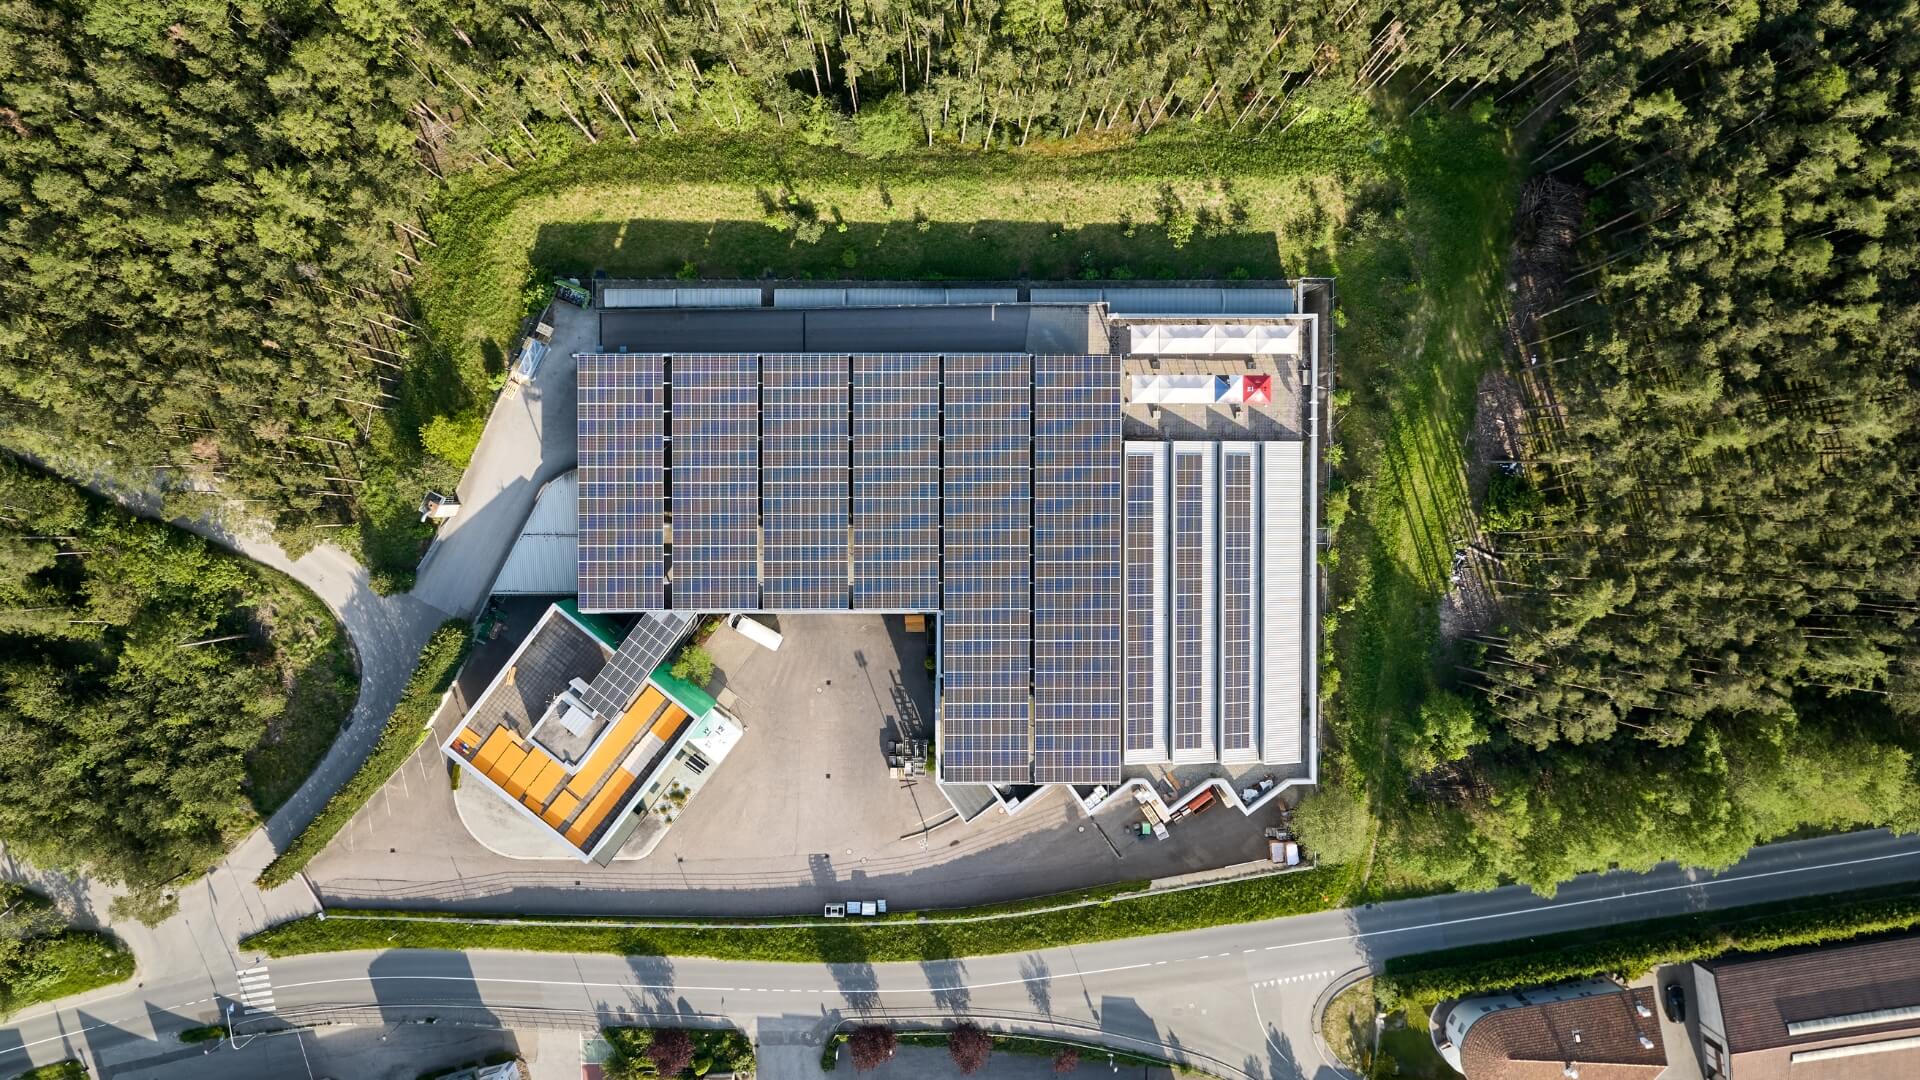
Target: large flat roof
(985, 485)
(934, 329)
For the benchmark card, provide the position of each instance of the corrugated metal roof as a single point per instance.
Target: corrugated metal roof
(809, 298)
(1283, 584)
(1257, 301)
(983, 296)
(1065, 296)
(545, 559)
(610, 298)
(895, 297)
(736, 297)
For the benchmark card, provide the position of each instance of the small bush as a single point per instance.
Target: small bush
(671, 1052)
(970, 1048)
(1067, 1060)
(204, 1033)
(871, 1046)
(695, 665)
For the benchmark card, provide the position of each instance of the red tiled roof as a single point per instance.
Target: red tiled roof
(1536, 1042)
(1760, 997)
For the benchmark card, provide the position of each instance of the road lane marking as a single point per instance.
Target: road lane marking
(1611, 898)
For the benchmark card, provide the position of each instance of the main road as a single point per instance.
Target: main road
(1239, 1001)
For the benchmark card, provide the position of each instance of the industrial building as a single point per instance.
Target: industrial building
(1105, 495)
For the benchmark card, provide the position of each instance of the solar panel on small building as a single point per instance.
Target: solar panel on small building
(896, 482)
(619, 683)
(619, 443)
(1239, 663)
(1283, 584)
(1076, 569)
(987, 620)
(1193, 667)
(804, 482)
(1146, 602)
(716, 460)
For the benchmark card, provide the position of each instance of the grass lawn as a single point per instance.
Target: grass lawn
(1418, 278)
(1404, 1046)
(315, 662)
(1165, 208)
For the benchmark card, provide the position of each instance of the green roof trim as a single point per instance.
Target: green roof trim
(696, 701)
(602, 628)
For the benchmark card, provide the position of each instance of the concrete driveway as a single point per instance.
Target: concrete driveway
(529, 439)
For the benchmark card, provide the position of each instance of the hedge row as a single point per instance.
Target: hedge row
(1630, 950)
(406, 729)
(907, 939)
(53, 967)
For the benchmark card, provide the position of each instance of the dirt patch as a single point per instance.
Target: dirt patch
(1499, 419)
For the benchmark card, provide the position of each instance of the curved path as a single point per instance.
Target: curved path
(1235, 1000)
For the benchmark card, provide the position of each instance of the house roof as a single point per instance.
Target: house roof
(1537, 1042)
(1797, 1002)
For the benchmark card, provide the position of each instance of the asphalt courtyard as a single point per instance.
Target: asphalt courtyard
(802, 813)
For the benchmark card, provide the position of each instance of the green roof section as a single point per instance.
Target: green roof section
(606, 630)
(696, 701)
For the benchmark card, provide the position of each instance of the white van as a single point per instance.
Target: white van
(756, 631)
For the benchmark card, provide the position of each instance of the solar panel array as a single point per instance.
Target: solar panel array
(1081, 581)
(896, 482)
(1076, 569)
(619, 440)
(987, 596)
(803, 481)
(1236, 603)
(645, 646)
(1146, 587)
(1192, 573)
(716, 459)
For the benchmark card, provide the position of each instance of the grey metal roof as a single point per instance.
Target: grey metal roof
(545, 559)
(972, 328)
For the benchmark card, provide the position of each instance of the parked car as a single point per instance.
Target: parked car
(1676, 1001)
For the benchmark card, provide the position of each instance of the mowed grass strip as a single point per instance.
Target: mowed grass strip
(752, 208)
(852, 942)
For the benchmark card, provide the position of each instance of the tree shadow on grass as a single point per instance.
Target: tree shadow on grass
(987, 250)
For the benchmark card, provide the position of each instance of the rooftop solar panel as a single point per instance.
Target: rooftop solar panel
(645, 646)
(715, 496)
(987, 618)
(896, 482)
(1076, 569)
(1146, 602)
(621, 486)
(1193, 594)
(1238, 584)
(803, 481)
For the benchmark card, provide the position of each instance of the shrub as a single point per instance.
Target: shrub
(203, 1033)
(695, 665)
(970, 1048)
(871, 1046)
(1067, 1060)
(671, 1052)
(1332, 823)
(439, 660)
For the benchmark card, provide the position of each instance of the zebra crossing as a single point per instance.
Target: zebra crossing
(256, 989)
(1304, 976)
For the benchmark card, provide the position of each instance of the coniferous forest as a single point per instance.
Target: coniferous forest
(1694, 563)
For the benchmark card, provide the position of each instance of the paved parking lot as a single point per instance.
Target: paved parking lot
(801, 813)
